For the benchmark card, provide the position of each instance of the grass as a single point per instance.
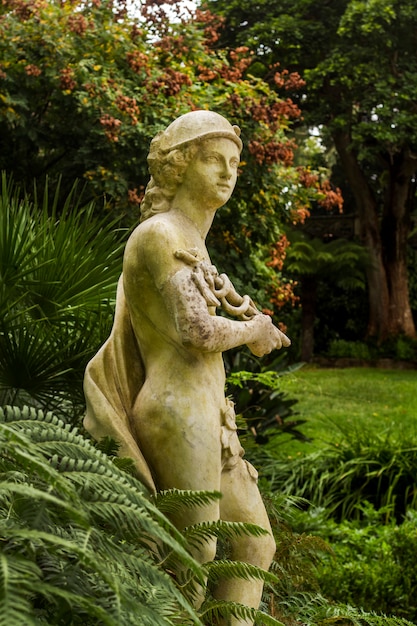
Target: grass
(333, 400)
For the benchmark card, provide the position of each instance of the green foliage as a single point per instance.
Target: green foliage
(362, 465)
(360, 69)
(338, 264)
(77, 533)
(356, 57)
(401, 348)
(342, 314)
(74, 103)
(82, 543)
(213, 611)
(94, 548)
(262, 407)
(318, 611)
(314, 583)
(372, 563)
(59, 267)
(340, 261)
(350, 349)
(84, 87)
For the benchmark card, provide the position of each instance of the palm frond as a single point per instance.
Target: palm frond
(59, 267)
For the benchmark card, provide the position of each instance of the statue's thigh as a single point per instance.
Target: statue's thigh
(182, 446)
(185, 460)
(190, 467)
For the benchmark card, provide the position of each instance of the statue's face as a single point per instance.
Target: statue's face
(211, 176)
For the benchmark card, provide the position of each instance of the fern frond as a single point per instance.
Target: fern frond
(107, 483)
(90, 528)
(346, 614)
(158, 579)
(136, 525)
(15, 452)
(173, 500)
(216, 570)
(198, 533)
(315, 610)
(58, 596)
(17, 577)
(214, 610)
(27, 491)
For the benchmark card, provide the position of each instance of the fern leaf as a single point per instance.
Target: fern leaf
(315, 610)
(213, 610)
(219, 569)
(59, 596)
(20, 452)
(34, 494)
(173, 500)
(198, 533)
(17, 575)
(98, 537)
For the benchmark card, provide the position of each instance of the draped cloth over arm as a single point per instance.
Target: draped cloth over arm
(112, 381)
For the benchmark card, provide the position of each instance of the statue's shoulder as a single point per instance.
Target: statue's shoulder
(156, 230)
(153, 244)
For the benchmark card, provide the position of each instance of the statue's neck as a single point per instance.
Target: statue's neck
(197, 222)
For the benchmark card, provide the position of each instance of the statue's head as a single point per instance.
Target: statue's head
(194, 127)
(172, 150)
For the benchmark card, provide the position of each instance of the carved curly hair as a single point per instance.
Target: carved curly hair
(167, 170)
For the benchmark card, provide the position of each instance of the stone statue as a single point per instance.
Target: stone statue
(157, 385)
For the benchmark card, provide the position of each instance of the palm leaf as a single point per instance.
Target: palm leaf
(59, 267)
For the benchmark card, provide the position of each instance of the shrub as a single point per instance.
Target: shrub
(378, 467)
(372, 564)
(83, 543)
(339, 348)
(400, 347)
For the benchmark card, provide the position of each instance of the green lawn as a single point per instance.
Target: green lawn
(364, 398)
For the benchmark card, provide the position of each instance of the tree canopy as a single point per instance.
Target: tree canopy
(84, 86)
(359, 61)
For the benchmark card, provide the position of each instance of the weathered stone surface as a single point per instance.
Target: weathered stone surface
(157, 385)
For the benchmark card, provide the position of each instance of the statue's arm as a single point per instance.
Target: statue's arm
(154, 250)
(211, 333)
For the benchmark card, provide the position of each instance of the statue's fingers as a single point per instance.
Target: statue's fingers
(285, 341)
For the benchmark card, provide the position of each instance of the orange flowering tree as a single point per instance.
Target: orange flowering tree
(85, 85)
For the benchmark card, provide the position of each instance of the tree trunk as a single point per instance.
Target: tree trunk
(378, 293)
(308, 315)
(389, 304)
(395, 228)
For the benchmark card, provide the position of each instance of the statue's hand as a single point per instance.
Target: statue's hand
(269, 336)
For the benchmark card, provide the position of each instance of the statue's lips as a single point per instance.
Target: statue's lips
(224, 186)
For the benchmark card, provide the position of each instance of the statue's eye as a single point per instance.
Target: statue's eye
(211, 158)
